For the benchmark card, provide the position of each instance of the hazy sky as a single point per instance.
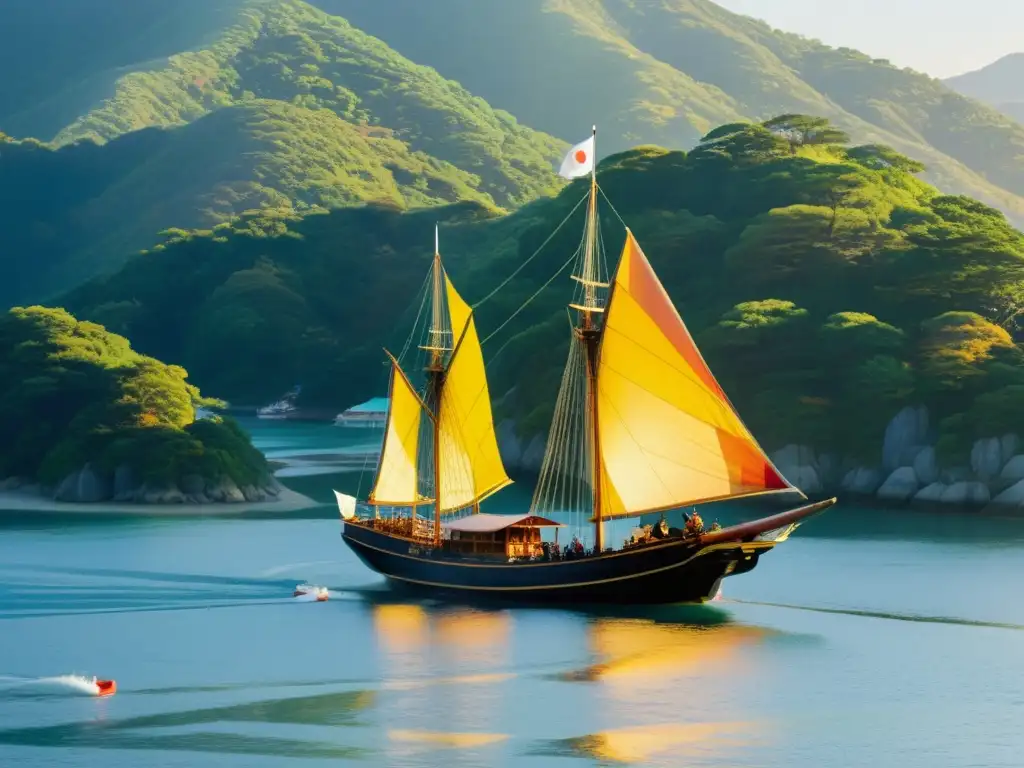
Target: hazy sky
(939, 37)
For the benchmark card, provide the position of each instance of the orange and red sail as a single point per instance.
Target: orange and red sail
(667, 434)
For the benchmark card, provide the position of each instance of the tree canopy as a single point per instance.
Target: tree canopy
(73, 393)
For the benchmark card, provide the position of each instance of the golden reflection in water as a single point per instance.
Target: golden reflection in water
(431, 739)
(400, 628)
(674, 743)
(443, 676)
(649, 672)
(630, 650)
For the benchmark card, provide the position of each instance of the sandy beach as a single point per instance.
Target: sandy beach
(27, 500)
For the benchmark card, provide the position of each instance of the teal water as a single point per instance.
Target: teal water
(871, 637)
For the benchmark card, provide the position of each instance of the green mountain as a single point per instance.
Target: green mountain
(286, 107)
(1000, 84)
(60, 59)
(827, 285)
(222, 106)
(666, 71)
(83, 209)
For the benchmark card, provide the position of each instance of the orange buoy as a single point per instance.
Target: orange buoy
(106, 687)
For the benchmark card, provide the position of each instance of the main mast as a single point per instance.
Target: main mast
(435, 377)
(588, 331)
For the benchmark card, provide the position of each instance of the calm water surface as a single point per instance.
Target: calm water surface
(871, 637)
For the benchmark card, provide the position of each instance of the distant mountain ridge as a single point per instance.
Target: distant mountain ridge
(1000, 84)
(666, 71)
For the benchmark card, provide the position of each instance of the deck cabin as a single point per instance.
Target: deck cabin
(498, 536)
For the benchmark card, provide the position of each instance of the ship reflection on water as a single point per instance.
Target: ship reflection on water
(457, 712)
(456, 685)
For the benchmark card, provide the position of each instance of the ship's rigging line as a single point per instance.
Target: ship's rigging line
(526, 303)
(574, 406)
(419, 315)
(535, 254)
(510, 318)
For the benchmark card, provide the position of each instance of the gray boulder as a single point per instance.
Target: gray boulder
(931, 493)
(67, 488)
(225, 490)
(85, 486)
(862, 480)
(1013, 470)
(955, 475)
(925, 466)
(1012, 496)
(905, 433)
(793, 456)
(966, 493)
(987, 458)
(252, 493)
(273, 487)
(901, 485)
(805, 478)
(168, 494)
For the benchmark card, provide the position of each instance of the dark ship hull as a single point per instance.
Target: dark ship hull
(666, 571)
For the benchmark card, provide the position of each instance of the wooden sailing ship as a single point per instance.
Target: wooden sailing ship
(640, 425)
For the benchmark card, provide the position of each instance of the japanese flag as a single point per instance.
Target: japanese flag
(579, 161)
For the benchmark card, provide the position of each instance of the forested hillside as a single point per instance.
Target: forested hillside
(211, 109)
(287, 108)
(826, 283)
(666, 71)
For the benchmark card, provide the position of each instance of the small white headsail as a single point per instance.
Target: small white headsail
(346, 505)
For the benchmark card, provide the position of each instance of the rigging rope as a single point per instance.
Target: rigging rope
(527, 302)
(416, 322)
(621, 220)
(535, 254)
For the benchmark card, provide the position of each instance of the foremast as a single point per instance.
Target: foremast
(450, 415)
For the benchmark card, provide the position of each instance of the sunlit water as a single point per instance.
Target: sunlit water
(872, 637)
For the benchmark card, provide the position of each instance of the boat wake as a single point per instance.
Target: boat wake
(47, 687)
(309, 593)
(890, 615)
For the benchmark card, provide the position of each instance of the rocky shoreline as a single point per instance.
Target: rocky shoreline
(90, 486)
(910, 471)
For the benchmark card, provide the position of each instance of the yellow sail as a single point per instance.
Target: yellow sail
(471, 466)
(396, 483)
(667, 434)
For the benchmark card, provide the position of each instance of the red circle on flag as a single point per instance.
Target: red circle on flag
(581, 156)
